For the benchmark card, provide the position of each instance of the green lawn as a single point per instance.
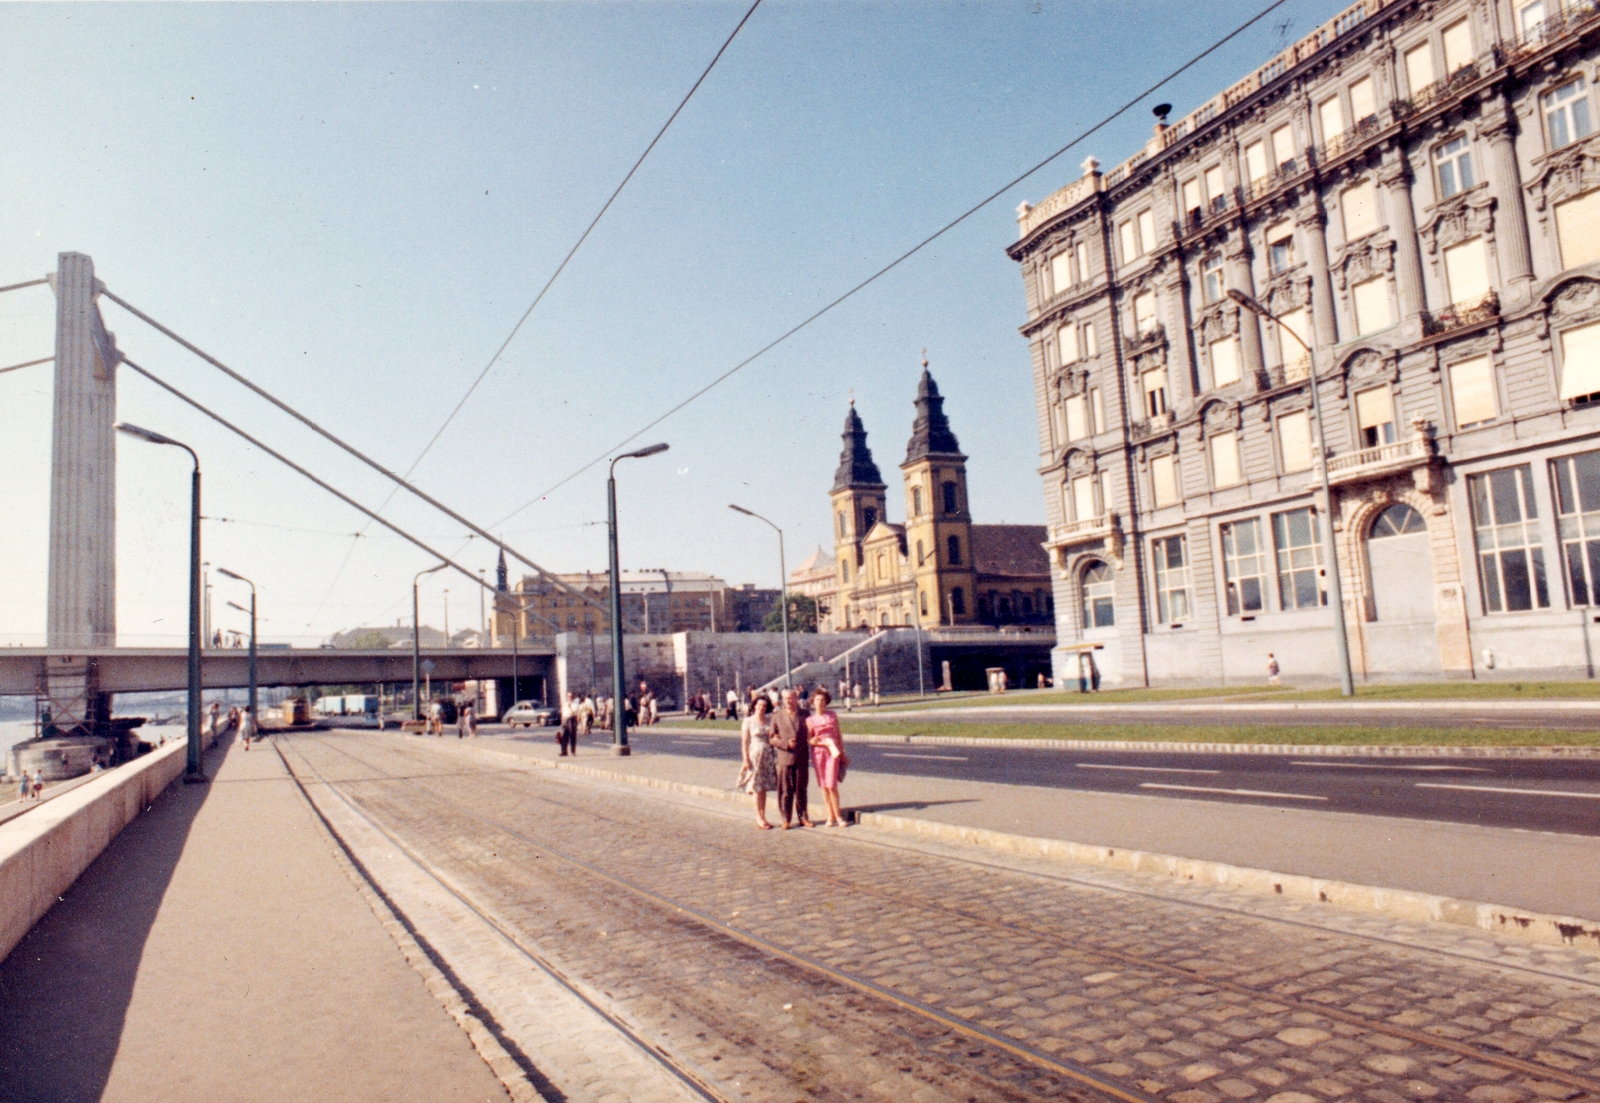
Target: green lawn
(1071, 697)
(1426, 691)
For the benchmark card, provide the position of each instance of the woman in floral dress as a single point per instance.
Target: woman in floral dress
(760, 760)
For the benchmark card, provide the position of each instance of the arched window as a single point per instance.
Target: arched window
(955, 551)
(869, 517)
(1398, 520)
(843, 530)
(920, 557)
(958, 602)
(916, 501)
(844, 570)
(1099, 609)
(922, 601)
(950, 505)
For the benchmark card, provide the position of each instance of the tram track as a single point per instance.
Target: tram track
(1012, 927)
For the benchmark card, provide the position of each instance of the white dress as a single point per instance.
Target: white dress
(763, 759)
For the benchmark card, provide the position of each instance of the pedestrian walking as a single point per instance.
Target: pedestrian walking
(1272, 670)
(24, 786)
(567, 733)
(215, 710)
(247, 726)
(585, 716)
(793, 761)
(436, 718)
(461, 722)
(827, 752)
(472, 721)
(38, 783)
(855, 693)
(733, 705)
(760, 760)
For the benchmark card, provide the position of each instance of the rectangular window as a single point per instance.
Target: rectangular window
(1077, 417)
(1224, 361)
(1083, 505)
(1082, 252)
(1244, 566)
(1330, 113)
(1297, 537)
(1510, 556)
(1129, 242)
(1164, 480)
(1255, 162)
(1472, 391)
(1216, 189)
(1097, 410)
(1144, 312)
(1359, 205)
(1294, 441)
(1091, 347)
(1577, 480)
(1283, 149)
(1155, 391)
(1566, 113)
(1419, 68)
(1363, 104)
(1193, 205)
(1292, 353)
(1211, 279)
(1061, 272)
(1530, 17)
(1147, 232)
(1375, 417)
(1172, 578)
(1457, 47)
(1580, 363)
(1280, 247)
(1067, 340)
(1455, 167)
(1224, 449)
(1374, 311)
(1578, 229)
(1466, 271)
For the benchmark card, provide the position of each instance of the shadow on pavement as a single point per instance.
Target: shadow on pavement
(906, 805)
(65, 989)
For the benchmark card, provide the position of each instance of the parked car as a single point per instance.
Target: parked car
(529, 715)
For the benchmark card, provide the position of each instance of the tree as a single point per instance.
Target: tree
(802, 615)
(367, 641)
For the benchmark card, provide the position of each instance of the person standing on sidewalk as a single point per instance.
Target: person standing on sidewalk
(827, 752)
(794, 761)
(760, 760)
(1272, 670)
(567, 733)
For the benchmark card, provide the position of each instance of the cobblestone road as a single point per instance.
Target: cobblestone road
(821, 965)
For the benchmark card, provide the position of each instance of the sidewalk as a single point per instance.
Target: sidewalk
(217, 950)
(1539, 871)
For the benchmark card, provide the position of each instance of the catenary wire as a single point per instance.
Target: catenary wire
(27, 364)
(903, 257)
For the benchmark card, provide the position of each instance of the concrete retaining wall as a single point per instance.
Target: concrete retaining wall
(43, 852)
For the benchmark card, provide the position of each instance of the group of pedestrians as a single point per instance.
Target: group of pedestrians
(781, 748)
(32, 785)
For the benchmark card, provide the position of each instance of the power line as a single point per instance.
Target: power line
(905, 256)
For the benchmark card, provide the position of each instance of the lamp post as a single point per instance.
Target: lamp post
(619, 681)
(193, 772)
(416, 645)
(254, 716)
(1329, 548)
(783, 583)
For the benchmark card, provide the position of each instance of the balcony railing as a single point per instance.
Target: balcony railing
(1356, 136)
(1383, 460)
(1081, 532)
(1145, 338)
(1554, 26)
(1461, 315)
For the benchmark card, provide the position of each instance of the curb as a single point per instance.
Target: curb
(1300, 750)
(1443, 704)
(1517, 924)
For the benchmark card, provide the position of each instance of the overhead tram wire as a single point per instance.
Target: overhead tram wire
(348, 448)
(905, 256)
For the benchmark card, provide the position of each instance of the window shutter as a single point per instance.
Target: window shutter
(1297, 322)
(1164, 479)
(1144, 312)
(1083, 498)
(1374, 408)
(1360, 208)
(1330, 113)
(1373, 309)
(1061, 271)
(1466, 270)
(1147, 232)
(1457, 46)
(1282, 146)
(1191, 197)
(1224, 459)
(1362, 102)
(1419, 68)
(1472, 391)
(1215, 187)
(1077, 417)
(1580, 361)
(1255, 161)
(1091, 347)
(1224, 362)
(1067, 338)
(1578, 229)
(1294, 441)
(1130, 248)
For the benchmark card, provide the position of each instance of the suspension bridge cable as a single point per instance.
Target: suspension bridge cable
(905, 256)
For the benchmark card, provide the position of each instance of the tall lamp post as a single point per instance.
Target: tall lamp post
(416, 645)
(1329, 549)
(783, 583)
(619, 679)
(193, 772)
(254, 715)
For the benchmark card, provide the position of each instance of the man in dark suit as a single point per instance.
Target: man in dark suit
(794, 760)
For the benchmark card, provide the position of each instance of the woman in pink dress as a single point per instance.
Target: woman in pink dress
(827, 752)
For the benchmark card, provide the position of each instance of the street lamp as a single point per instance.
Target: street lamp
(254, 715)
(783, 583)
(1335, 589)
(619, 682)
(193, 773)
(416, 646)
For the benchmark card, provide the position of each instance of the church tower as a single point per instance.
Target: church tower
(938, 523)
(858, 500)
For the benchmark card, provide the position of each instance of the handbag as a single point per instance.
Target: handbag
(745, 774)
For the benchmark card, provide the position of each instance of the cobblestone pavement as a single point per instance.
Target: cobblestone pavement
(820, 964)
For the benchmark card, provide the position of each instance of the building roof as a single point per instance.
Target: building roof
(856, 468)
(930, 434)
(1009, 550)
(818, 562)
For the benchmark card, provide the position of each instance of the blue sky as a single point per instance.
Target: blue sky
(352, 204)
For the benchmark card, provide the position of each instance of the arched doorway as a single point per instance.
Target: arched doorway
(1400, 637)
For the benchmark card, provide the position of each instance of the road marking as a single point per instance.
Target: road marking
(696, 742)
(1503, 789)
(1229, 792)
(1375, 766)
(1145, 769)
(940, 757)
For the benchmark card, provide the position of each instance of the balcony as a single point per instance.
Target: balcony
(1574, 13)
(1151, 336)
(1385, 459)
(1090, 530)
(1351, 139)
(1461, 315)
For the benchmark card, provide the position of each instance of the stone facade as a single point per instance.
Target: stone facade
(1414, 191)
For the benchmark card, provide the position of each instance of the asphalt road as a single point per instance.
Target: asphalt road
(1180, 714)
(1534, 794)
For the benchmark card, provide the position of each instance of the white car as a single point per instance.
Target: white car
(528, 715)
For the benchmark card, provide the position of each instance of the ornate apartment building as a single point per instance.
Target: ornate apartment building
(1413, 191)
(938, 568)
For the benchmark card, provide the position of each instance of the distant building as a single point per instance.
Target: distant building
(653, 602)
(748, 606)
